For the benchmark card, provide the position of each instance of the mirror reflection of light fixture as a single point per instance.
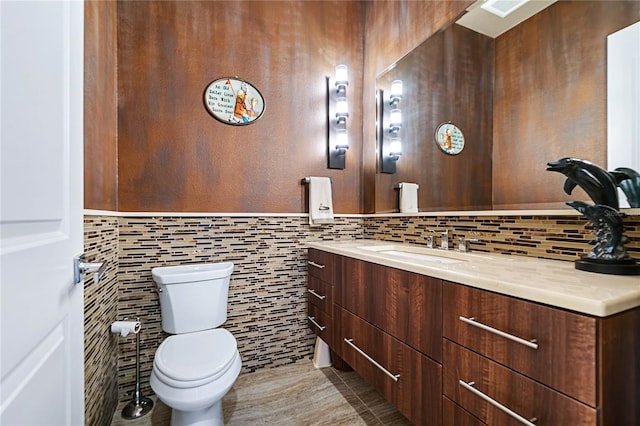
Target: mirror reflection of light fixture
(395, 121)
(342, 78)
(342, 110)
(396, 92)
(338, 107)
(390, 123)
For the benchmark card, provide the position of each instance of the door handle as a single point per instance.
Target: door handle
(82, 267)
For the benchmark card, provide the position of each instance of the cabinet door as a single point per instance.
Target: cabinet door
(323, 265)
(409, 380)
(406, 305)
(321, 324)
(454, 415)
(471, 380)
(564, 354)
(320, 293)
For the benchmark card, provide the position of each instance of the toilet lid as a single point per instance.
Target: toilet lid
(195, 356)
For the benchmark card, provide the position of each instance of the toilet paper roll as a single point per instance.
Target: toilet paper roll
(125, 327)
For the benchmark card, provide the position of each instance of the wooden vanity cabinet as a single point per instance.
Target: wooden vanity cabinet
(445, 353)
(391, 325)
(559, 367)
(408, 379)
(470, 377)
(563, 352)
(408, 306)
(324, 269)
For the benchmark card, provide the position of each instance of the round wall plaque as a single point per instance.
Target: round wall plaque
(233, 101)
(449, 138)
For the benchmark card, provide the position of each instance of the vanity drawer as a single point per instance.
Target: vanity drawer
(409, 380)
(487, 390)
(555, 347)
(454, 415)
(404, 304)
(322, 265)
(320, 294)
(321, 324)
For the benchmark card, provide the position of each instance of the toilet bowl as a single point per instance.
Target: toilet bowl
(192, 372)
(194, 368)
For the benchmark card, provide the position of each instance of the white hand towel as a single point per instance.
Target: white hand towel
(408, 197)
(320, 201)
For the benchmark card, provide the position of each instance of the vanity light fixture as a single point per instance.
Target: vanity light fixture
(395, 148)
(396, 92)
(395, 121)
(342, 78)
(342, 140)
(337, 114)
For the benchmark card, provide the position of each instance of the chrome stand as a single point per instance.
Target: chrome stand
(139, 405)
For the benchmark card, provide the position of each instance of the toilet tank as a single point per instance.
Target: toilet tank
(193, 297)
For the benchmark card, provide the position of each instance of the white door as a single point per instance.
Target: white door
(623, 101)
(41, 193)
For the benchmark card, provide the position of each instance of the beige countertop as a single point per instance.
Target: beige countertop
(552, 282)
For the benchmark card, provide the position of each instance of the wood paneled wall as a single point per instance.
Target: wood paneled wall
(161, 151)
(550, 98)
(100, 106)
(173, 156)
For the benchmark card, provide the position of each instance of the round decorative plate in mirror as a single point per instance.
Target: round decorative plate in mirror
(449, 138)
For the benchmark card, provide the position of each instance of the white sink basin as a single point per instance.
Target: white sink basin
(414, 253)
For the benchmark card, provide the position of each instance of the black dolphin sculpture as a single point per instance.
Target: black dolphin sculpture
(609, 242)
(608, 255)
(598, 183)
(629, 181)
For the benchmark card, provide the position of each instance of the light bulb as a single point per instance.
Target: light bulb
(395, 147)
(342, 139)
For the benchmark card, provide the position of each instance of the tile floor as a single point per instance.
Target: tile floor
(296, 395)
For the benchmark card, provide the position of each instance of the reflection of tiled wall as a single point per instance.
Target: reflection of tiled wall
(100, 310)
(267, 309)
(550, 237)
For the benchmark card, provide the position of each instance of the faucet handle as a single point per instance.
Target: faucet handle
(429, 240)
(444, 243)
(463, 244)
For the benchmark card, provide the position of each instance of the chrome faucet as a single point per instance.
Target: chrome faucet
(429, 240)
(463, 244)
(444, 243)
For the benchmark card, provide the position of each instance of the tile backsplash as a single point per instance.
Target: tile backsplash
(267, 299)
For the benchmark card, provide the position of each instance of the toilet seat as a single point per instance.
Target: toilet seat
(195, 359)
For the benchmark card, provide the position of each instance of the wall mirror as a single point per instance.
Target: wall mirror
(515, 114)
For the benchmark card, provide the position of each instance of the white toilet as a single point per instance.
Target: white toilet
(196, 366)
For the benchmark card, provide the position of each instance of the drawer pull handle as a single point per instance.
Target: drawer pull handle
(394, 377)
(472, 321)
(319, 296)
(317, 265)
(313, 320)
(469, 386)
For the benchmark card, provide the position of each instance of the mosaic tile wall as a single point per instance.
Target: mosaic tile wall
(100, 310)
(267, 291)
(267, 297)
(550, 237)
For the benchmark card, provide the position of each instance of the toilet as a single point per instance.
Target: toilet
(197, 365)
